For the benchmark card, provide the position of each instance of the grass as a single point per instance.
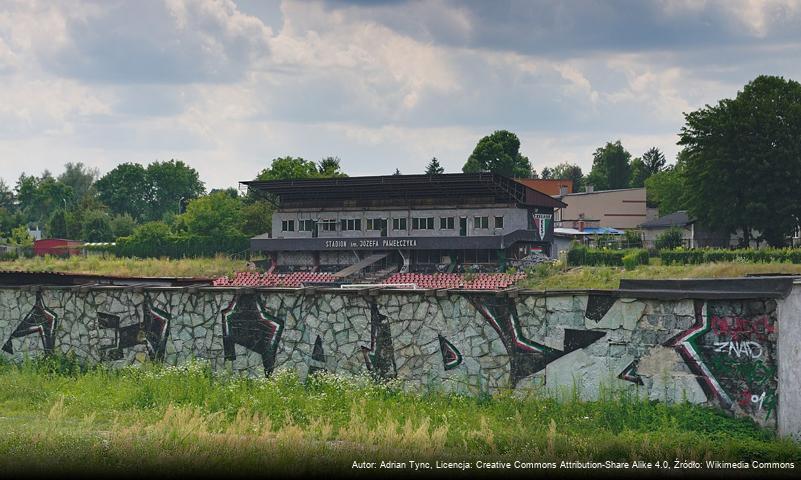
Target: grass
(556, 277)
(543, 277)
(56, 415)
(106, 264)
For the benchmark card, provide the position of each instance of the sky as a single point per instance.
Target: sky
(228, 85)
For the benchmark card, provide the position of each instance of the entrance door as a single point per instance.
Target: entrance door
(314, 229)
(384, 227)
(462, 226)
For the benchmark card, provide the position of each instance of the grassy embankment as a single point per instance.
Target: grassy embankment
(57, 418)
(543, 277)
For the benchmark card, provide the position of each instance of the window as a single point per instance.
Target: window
(498, 222)
(446, 223)
(306, 226)
(376, 223)
(351, 224)
(328, 225)
(287, 225)
(399, 224)
(480, 222)
(423, 223)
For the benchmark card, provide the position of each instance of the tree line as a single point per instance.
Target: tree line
(739, 171)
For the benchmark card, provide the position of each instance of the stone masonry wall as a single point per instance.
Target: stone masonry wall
(715, 352)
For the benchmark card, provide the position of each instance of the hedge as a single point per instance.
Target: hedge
(581, 255)
(698, 256)
(180, 246)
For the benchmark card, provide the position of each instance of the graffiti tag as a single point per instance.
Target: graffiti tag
(748, 349)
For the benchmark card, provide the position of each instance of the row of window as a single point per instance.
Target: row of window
(355, 224)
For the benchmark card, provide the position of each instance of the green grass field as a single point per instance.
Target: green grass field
(54, 416)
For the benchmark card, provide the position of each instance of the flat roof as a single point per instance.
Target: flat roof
(462, 188)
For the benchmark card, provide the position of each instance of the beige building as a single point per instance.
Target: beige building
(623, 209)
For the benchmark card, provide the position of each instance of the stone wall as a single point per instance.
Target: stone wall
(719, 352)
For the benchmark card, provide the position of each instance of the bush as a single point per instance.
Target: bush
(581, 255)
(698, 256)
(670, 238)
(154, 239)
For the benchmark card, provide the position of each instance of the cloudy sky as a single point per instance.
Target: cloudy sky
(228, 85)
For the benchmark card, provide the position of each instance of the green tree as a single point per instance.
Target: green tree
(434, 168)
(610, 167)
(499, 153)
(744, 161)
(78, 177)
(172, 182)
(57, 225)
(666, 189)
(215, 215)
(21, 237)
(567, 171)
(329, 167)
(289, 168)
(126, 189)
(669, 239)
(122, 225)
(654, 161)
(639, 173)
(257, 218)
(96, 227)
(40, 196)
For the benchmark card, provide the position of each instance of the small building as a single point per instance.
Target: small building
(693, 234)
(413, 222)
(57, 247)
(623, 209)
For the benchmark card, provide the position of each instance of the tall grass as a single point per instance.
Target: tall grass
(189, 417)
(558, 278)
(107, 264)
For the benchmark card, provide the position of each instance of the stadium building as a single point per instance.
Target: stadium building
(406, 223)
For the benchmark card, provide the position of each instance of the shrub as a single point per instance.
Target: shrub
(154, 239)
(670, 238)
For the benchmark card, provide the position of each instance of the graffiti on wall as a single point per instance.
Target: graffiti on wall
(248, 323)
(39, 321)
(731, 350)
(151, 330)
(379, 357)
(526, 356)
(729, 346)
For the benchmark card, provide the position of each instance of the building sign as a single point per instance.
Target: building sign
(542, 224)
(371, 243)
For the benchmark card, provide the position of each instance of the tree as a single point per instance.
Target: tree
(96, 227)
(40, 196)
(654, 161)
(666, 189)
(329, 167)
(610, 167)
(743, 166)
(57, 225)
(566, 171)
(122, 225)
(639, 173)
(214, 215)
(172, 182)
(126, 189)
(499, 153)
(434, 168)
(78, 177)
(289, 168)
(547, 174)
(257, 218)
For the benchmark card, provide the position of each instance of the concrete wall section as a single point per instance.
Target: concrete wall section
(715, 352)
(789, 351)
